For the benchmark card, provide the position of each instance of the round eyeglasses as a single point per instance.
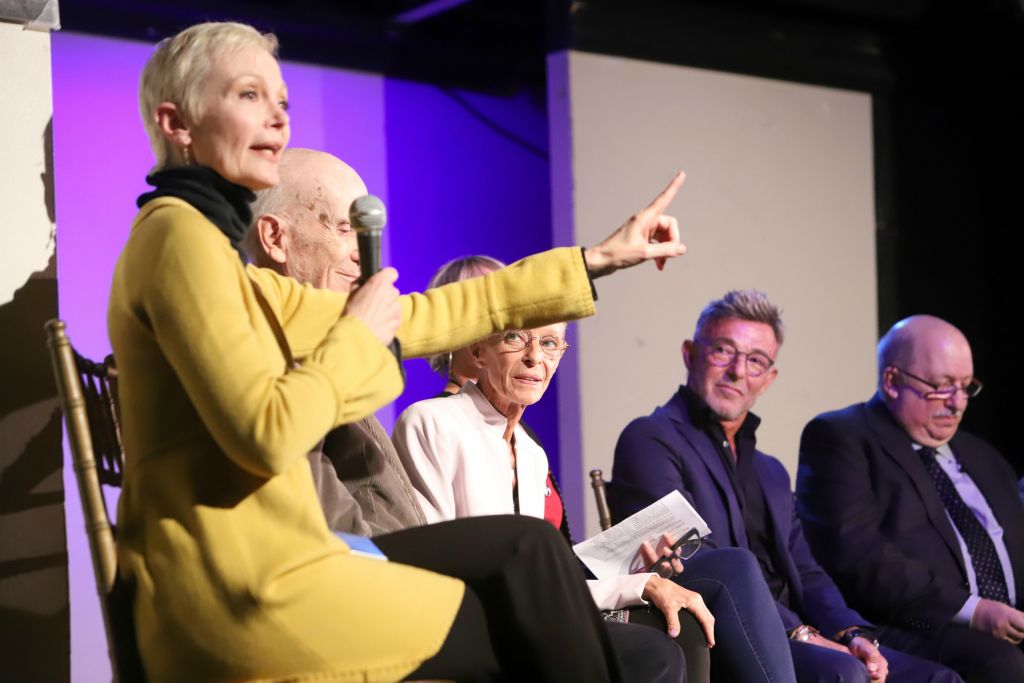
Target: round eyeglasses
(939, 392)
(517, 340)
(722, 353)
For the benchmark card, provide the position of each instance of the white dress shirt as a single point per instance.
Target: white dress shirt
(455, 453)
(977, 504)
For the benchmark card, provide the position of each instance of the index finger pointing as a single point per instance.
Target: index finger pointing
(662, 201)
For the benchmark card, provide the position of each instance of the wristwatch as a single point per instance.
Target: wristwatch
(846, 636)
(803, 633)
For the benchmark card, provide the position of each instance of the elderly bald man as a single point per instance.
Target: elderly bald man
(301, 229)
(919, 522)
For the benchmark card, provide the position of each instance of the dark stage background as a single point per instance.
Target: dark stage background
(945, 77)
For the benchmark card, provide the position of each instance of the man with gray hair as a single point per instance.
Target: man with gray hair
(919, 522)
(702, 443)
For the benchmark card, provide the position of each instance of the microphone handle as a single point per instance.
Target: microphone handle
(396, 349)
(368, 240)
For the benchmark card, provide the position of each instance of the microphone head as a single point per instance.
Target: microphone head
(367, 213)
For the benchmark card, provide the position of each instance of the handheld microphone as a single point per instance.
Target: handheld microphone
(367, 217)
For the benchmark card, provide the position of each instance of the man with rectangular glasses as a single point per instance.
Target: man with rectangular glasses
(919, 522)
(703, 444)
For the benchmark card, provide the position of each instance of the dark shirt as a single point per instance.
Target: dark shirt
(749, 494)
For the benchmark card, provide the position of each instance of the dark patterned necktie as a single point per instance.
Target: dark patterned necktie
(988, 571)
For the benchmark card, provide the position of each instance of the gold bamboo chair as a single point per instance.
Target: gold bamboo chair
(601, 498)
(88, 399)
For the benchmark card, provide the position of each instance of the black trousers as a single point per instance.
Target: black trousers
(690, 639)
(648, 655)
(527, 611)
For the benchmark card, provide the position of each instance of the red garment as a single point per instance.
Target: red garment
(553, 509)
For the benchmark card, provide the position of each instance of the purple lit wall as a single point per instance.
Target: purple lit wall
(101, 159)
(468, 174)
(414, 145)
(102, 156)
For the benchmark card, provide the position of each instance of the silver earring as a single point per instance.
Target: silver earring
(186, 151)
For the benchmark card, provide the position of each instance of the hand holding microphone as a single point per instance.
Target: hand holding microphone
(376, 304)
(376, 301)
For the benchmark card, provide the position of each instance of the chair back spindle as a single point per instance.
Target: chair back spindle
(603, 515)
(89, 401)
(75, 406)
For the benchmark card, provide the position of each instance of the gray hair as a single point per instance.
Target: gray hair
(456, 270)
(177, 71)
(743, 304)
(270, 200)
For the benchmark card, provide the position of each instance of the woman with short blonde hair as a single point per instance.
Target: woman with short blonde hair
(177, 72)
(230, 374)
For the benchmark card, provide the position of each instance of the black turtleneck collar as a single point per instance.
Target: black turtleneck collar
(224, 203)
(704, 418)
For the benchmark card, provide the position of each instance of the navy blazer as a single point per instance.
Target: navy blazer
(665, 451)
(875, 519)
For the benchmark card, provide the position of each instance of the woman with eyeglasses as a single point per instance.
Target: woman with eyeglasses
(469, 455)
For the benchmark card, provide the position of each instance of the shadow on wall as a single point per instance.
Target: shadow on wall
(34, 616)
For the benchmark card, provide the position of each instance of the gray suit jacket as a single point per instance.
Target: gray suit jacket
(362, 486)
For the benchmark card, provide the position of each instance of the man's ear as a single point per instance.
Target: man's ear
(767, 382)
(688, 355)
(888, 383)
(172, 124)
(273, 238)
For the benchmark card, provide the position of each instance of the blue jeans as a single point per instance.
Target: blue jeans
(750, 641)
(819, 665)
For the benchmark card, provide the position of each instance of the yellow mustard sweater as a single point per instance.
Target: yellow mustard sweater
(237, 575)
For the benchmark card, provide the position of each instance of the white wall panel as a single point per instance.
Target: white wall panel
(779, 196)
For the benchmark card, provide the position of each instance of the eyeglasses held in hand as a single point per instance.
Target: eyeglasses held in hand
(683, 549)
